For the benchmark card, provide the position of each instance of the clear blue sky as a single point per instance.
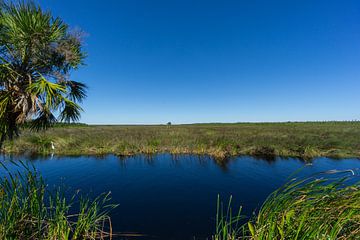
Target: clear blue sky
(189, 61)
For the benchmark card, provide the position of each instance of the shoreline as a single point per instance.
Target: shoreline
(203, 154)
(221, 141)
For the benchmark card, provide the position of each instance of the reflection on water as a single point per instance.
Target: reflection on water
(150, 159)
(174, 196)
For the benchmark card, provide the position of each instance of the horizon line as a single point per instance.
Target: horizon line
(194, 123)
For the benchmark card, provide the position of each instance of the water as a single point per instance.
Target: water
(167, 197)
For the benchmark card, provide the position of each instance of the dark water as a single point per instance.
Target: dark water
(168, 197)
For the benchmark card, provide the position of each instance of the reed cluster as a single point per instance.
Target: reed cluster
(29, 210)
(324, 207)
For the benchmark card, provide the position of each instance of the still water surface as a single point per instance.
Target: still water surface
(167, 197)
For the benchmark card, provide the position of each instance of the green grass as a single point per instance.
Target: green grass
(28, 210)
(322, 207)
(228, 226)
(305, 140)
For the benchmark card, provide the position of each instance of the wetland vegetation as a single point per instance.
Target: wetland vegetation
(38, 52)
(292, 139)
(324, 206)
(29, 209)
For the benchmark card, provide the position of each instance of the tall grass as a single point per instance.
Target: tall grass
(28, 210)
(228, 226)
(305, 140)
(325, 207)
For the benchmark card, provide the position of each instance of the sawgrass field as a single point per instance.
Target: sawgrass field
(289, 139)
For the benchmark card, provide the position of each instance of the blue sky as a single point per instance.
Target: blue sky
(189, 61)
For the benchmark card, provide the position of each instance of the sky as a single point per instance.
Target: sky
(190, 61)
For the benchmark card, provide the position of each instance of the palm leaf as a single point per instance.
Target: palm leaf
(37, 54)
(77, 90)
(50, 93)
(44, 120)
(71, 111)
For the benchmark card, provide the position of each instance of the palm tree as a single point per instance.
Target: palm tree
(37, 55)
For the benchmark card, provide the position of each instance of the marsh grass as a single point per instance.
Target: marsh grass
(325, 206)
(228, 226)
(28, 210)
(304, 140)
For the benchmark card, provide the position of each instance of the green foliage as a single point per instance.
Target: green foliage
(304, 140)
(37, 54)
(323, 207)
(313, 208)
(228, 227)
(29, 211)
(43, 143)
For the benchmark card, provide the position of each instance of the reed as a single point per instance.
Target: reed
(28, 210)
(325, 206)
(228, 226)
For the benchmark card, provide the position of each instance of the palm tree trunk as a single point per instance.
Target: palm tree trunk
(2, 140)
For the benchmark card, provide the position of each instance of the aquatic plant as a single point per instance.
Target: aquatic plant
(29, 210)
(228, 227)
(324, 206)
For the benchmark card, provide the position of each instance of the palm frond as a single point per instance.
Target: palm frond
(50, 93)
(37, 54)
(27, 28)
(71, 111)
(5, 99)
(44, 120)
(77, 90)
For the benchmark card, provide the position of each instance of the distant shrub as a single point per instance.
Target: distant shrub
(264, 151)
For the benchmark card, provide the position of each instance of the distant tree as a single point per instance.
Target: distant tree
(37, 55)
(168, 124)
